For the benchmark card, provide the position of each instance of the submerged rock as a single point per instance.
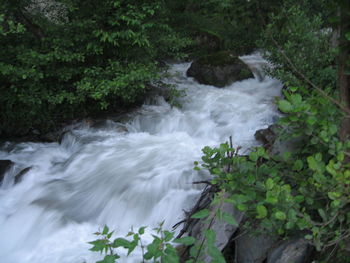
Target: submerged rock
(219, 69)
(5, 165)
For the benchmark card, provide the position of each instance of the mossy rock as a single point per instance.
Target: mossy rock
(222, 58)
(219, 69)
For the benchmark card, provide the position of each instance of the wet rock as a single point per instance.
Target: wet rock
(219, 69)
(64, 135)
(275, 145)
(279, 147)
(5, 165)
(19, 176)
(159, 89)
(296, 251)
(122, 129)
(51, 136)
(252, 248)
(267, 136)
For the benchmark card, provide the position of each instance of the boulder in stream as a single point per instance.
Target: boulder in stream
(219, 69)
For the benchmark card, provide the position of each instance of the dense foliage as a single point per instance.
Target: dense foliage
(62, 59)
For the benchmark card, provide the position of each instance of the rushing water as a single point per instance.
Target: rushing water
(137, 173)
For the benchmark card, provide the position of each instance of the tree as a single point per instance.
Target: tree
(70, 58)
(344, 64)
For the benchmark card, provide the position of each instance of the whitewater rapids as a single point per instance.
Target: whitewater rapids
(135, 173)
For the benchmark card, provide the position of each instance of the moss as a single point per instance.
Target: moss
(218, 59)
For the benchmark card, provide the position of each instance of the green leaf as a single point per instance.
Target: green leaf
(108, 259)
(280, 215)
(212, 250)
(168, 236)
(299, 199)
(285, 106)
(322, 213)
(347, 36)
(98, 245)
(201, 214)
(308, 237)
(230, 219)
(142, 230)
(242, 207)
(105, 230)
(187, 241)
(286, 156)
(269, 184)
(253, 156)
(334, 195)
(313, 164)
(121, 242)
(296, 99)
(311, 120)
(261, 211)
(271, 199)
(298, 165)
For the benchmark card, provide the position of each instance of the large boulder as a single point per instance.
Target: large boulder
(219, 69)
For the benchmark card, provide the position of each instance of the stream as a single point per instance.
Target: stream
(133, 173)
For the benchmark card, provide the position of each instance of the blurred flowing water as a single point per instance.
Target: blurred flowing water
(136, 173)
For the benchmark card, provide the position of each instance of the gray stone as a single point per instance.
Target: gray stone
(292, 251)
(252, 248)
(219, 69)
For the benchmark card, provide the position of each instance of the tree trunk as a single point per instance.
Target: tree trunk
(344, 67)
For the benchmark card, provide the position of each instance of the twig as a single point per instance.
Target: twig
(198, 206)
(203, 182)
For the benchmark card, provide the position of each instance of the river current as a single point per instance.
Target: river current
(133, 173)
